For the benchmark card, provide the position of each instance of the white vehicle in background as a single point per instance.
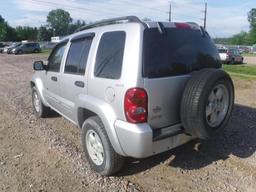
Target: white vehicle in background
(230, 56)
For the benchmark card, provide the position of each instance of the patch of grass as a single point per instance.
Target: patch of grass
(241, 76)
(240, 69)
(249, 54)
(45, 52)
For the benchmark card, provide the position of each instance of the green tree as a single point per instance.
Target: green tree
(3, 29)
(252, 18)
(26, 33)
(7, 33)
(59, 20)
(242, 38)
(44, 34)
(74, 26)
(252, 21)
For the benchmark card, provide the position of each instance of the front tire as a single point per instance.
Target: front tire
(40, 109)
(98, 150)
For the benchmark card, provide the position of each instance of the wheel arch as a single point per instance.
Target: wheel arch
(36, 82)
(87, 106)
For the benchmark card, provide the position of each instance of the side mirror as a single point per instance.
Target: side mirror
(39, 66)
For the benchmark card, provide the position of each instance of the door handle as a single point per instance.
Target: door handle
(79, 83)
(53, 78)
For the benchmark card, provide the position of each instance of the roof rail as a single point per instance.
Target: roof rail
(131, 19)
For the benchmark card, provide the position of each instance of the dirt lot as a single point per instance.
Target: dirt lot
(46, 155)
(250, 60)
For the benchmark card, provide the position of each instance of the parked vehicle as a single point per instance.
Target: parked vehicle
(48, 45)
(2, 46)
(135, 88)
(27, 48)
(9, 48)
(231, 56)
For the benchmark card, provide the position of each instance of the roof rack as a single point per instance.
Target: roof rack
(131, 19)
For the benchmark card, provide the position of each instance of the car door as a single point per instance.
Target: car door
(25, 48)
(74, 75)
(52, 76)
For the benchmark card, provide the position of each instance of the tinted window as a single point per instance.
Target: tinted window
(77, 56)
(177, 52)
(109, 58)
(222, 50)
(56, 57)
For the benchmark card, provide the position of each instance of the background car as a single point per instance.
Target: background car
(230, 56)
(2, 46)
(27, 48)
(8, 50)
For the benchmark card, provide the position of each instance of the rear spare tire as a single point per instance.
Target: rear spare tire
(207, 103)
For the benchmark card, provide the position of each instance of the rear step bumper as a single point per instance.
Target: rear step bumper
(140, 141)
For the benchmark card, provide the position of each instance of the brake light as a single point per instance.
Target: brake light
(136, 105)
(182, 26)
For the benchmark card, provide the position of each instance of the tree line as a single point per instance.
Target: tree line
(242, 38)
(59, 23)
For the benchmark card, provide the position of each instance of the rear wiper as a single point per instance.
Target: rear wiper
(202, 31)
(161, 28)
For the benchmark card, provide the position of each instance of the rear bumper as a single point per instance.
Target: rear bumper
(136, 140)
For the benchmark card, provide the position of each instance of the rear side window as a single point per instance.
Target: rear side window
(177, 52)
(109, 58)
(77, 56)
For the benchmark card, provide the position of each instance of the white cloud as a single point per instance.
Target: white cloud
(29, 20)
(220, 21)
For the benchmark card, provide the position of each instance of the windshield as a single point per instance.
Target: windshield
(177, 52)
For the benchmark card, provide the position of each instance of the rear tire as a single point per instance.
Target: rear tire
(207, 103)
(102, 159)
(40, 110)
(36, 51)
(19, 52)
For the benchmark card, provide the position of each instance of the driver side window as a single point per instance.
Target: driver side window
(55, 58)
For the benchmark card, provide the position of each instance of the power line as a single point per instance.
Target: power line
(95, 12)
(146, 7)
(73, 7)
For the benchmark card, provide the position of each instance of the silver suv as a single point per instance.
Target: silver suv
(135, 89)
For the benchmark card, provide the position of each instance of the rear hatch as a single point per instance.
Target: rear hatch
(170, 54)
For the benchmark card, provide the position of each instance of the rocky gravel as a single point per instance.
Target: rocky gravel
(46, 154)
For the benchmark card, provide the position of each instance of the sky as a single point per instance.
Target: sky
(224, 17)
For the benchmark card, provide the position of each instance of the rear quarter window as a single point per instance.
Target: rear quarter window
(109, 59)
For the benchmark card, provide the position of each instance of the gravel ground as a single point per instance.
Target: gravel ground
(46, 154)
(250, 60)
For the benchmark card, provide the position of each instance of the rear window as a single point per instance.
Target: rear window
(177, 52)
(109, 58)
(222, 50)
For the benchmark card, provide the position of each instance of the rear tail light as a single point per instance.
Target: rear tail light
(182, 26)
(136, 105)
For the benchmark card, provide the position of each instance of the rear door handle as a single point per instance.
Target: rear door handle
(79, 84)
(53, 78)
